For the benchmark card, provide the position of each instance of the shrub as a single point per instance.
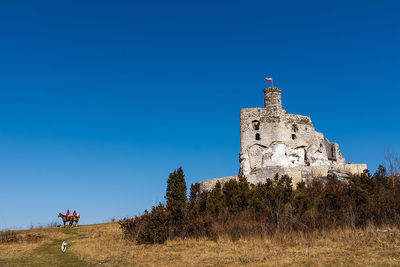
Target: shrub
(150, 228)
(8, 237)
(239, 209)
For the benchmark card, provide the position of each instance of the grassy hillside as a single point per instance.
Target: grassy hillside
(102, 244)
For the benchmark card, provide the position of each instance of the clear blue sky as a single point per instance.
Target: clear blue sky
(101, 100)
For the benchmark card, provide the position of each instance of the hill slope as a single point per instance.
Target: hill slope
(103, 244)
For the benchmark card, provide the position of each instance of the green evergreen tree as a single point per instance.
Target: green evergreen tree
(176, 202)
(193, 203)
(236, 194)
(176, 190)
(215, 201)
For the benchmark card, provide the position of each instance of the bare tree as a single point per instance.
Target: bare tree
(393, 165)
(392, 161)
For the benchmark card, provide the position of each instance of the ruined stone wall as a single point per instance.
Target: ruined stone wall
(305, 173)
(275, 142)
(298, 174)
(271, 137)
(209, 184)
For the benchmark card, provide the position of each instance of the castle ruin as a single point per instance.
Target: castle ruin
(274, 141)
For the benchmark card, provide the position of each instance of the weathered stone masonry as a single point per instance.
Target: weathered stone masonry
(273, 141)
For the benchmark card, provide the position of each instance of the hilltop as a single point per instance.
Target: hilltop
(103, 244)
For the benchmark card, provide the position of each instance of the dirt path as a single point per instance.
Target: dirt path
(49, 254)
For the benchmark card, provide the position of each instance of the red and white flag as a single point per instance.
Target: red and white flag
(268, 79)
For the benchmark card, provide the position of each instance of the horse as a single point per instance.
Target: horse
(65, 219)
(75, 219)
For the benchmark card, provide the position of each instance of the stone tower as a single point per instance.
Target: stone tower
(273, 101)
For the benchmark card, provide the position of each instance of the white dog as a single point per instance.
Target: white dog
(64, 246)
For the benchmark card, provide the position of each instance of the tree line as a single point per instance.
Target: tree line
(238, 209)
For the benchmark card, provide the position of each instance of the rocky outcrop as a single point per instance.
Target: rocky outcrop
(280, 154)
(340, 174)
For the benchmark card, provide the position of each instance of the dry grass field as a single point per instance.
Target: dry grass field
(102, 244)
(15, 243)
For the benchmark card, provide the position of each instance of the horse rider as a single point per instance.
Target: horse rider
(74, 214)
(67, 214)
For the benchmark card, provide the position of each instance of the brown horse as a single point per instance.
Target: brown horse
(65, 219)
(75, 219)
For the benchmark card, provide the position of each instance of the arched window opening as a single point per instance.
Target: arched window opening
(295, 128)
(256, 125)
(258, 136)
(293, 136)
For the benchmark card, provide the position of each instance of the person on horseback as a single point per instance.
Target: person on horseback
(67, 214)
(74, 214)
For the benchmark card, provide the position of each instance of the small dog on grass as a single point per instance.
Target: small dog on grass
(64, 246)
